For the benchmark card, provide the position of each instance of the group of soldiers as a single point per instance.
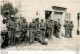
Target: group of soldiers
(68, 29)
(36, 30)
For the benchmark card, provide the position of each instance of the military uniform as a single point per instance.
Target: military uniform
(48, 27)
(51, 27)
(32, 30)
(66, 25)
(37, 24)
(70, 28)
(54, 27)
(24, 28)
(42, 29)
(58, 29)
(11, 24)
(39, 38)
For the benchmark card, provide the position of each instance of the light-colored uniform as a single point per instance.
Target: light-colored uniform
(42, 29)
(11, 25)
(32, 30)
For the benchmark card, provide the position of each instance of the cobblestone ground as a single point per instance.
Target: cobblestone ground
(53, 44)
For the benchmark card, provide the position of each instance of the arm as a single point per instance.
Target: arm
(73, 25)
(8, 24)
(22, 28)
(15, 24)
(26, 26)
(64, 25)
(29, 26)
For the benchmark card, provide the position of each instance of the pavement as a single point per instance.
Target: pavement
(55, 44)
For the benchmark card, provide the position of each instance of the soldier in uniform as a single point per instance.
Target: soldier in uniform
(58, 28)
(32, 30)
(40, 38)
(48, 28)
(11, 25)
(66, 25)
(54, 31)
(24, 28)
(51, 27)
(71, 28)
(46, 31)
(37, 25)
(42, 28)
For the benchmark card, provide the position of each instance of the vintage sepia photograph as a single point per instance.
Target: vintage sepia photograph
(39, 25)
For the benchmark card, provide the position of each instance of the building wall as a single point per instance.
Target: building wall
(29, 10)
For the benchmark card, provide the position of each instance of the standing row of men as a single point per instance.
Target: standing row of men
(68, 29)
(38, 31)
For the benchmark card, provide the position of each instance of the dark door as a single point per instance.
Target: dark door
(47, 14)
(78, 29)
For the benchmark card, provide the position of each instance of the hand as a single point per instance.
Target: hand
(22, 29)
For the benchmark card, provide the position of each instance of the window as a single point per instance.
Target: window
(68, 16)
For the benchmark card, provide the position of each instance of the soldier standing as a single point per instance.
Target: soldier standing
(11, 25)
(66, 25)
(24, 28)
(51, 27)
(32, 29)
(42, 28)
(58, 28)
(48, 28)
(46, 31)
(71, 28)
(37, 25)
(55, 26)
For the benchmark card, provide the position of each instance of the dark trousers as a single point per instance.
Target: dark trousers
(70, 33)
(51, 32)
(47, 33)
(23, 37)
(5, 40)
(66, 32)
(58, 34)
(55, 32)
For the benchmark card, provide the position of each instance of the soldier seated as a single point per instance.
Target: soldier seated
(39, 38)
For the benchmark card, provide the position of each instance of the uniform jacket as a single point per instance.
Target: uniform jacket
(11, 24)
(24, 26)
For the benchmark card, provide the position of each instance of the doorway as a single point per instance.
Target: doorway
(58, 15)
(47, 14)
(78, 21)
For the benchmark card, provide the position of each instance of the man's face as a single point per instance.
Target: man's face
(51, 21)
(37, 19)
(42, 20)
(24, 20)
(12, 18)
(58, 20)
